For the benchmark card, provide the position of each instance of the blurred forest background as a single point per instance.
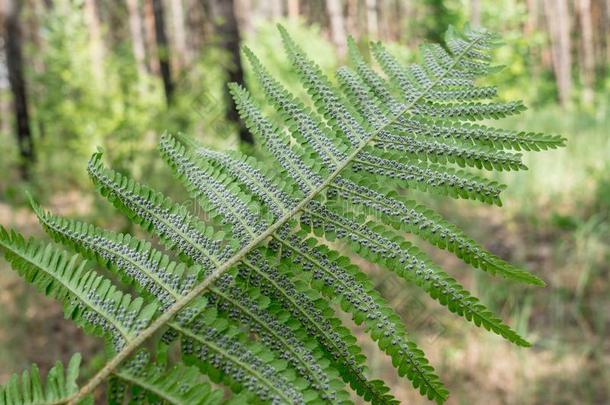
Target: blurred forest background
(76, 75)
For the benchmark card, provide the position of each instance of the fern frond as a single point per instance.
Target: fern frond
(142, 381)
(356, 292)
(158, 277)
(253, 302)
(90, 300)
(31, 390)
(474, 134)
(381, 246)
(409, 216)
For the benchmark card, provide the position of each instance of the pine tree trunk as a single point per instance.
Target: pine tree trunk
(588, 57)
(96, 43)
(272, 9)
(198, 29)
(137, 40)
(353, 23)
(243, 13)
(337, 25)
(475, 13)
(559, 28)
(372, 23)
(150, 40)
(180, 48)
(223, 13)
(293, 9)
(14, 61)
(163, 50)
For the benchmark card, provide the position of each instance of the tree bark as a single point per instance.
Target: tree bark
(559, 28)
(475, 13)
(14, 61)
(243, 13)
(353, 21)
(588, 57)
(95, 39)
(137, 40)
(337, 25)
(272, 9)
(163, 50)
(293, 9)
(180, 51)
(150, 40)
(372, 23)
(223, 13)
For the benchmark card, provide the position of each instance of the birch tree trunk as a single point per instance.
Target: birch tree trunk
(559, 28)
(588, 58)
(337, 25)
(14, 62)
(137, 40)
(223, 13)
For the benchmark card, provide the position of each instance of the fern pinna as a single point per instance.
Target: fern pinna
(249, 297)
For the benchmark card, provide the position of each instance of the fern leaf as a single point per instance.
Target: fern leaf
(145, 382)
(89, 299)
(30, 389)
(157, 276)
(264, 256)
(380, 246)
(430, 177)
(359, 299)
(414, 218)
(362, 97)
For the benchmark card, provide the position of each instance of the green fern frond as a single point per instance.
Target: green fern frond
(158, 277)
(90, 300)
(142, 381)
(349, 284)
(249, 293)
(31, 390)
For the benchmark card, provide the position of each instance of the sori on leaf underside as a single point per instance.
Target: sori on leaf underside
(251, 297)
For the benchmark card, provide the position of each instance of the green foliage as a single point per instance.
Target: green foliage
(31, 390)
(252, 289)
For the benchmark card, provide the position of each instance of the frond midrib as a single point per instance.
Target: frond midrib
(241, 254)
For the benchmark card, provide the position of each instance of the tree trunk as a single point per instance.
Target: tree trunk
(372, 23)
(150, 40)
(475, 13)
(293, 9)
(198, 28)
(588, 57)
(559, 28)
(353, 21)
(95, 39)
(337, 26)
(180, 48)
(243, 13)
(137, 40)
(272, 9)
(163, 50)
(14, 61)
(223, 13)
